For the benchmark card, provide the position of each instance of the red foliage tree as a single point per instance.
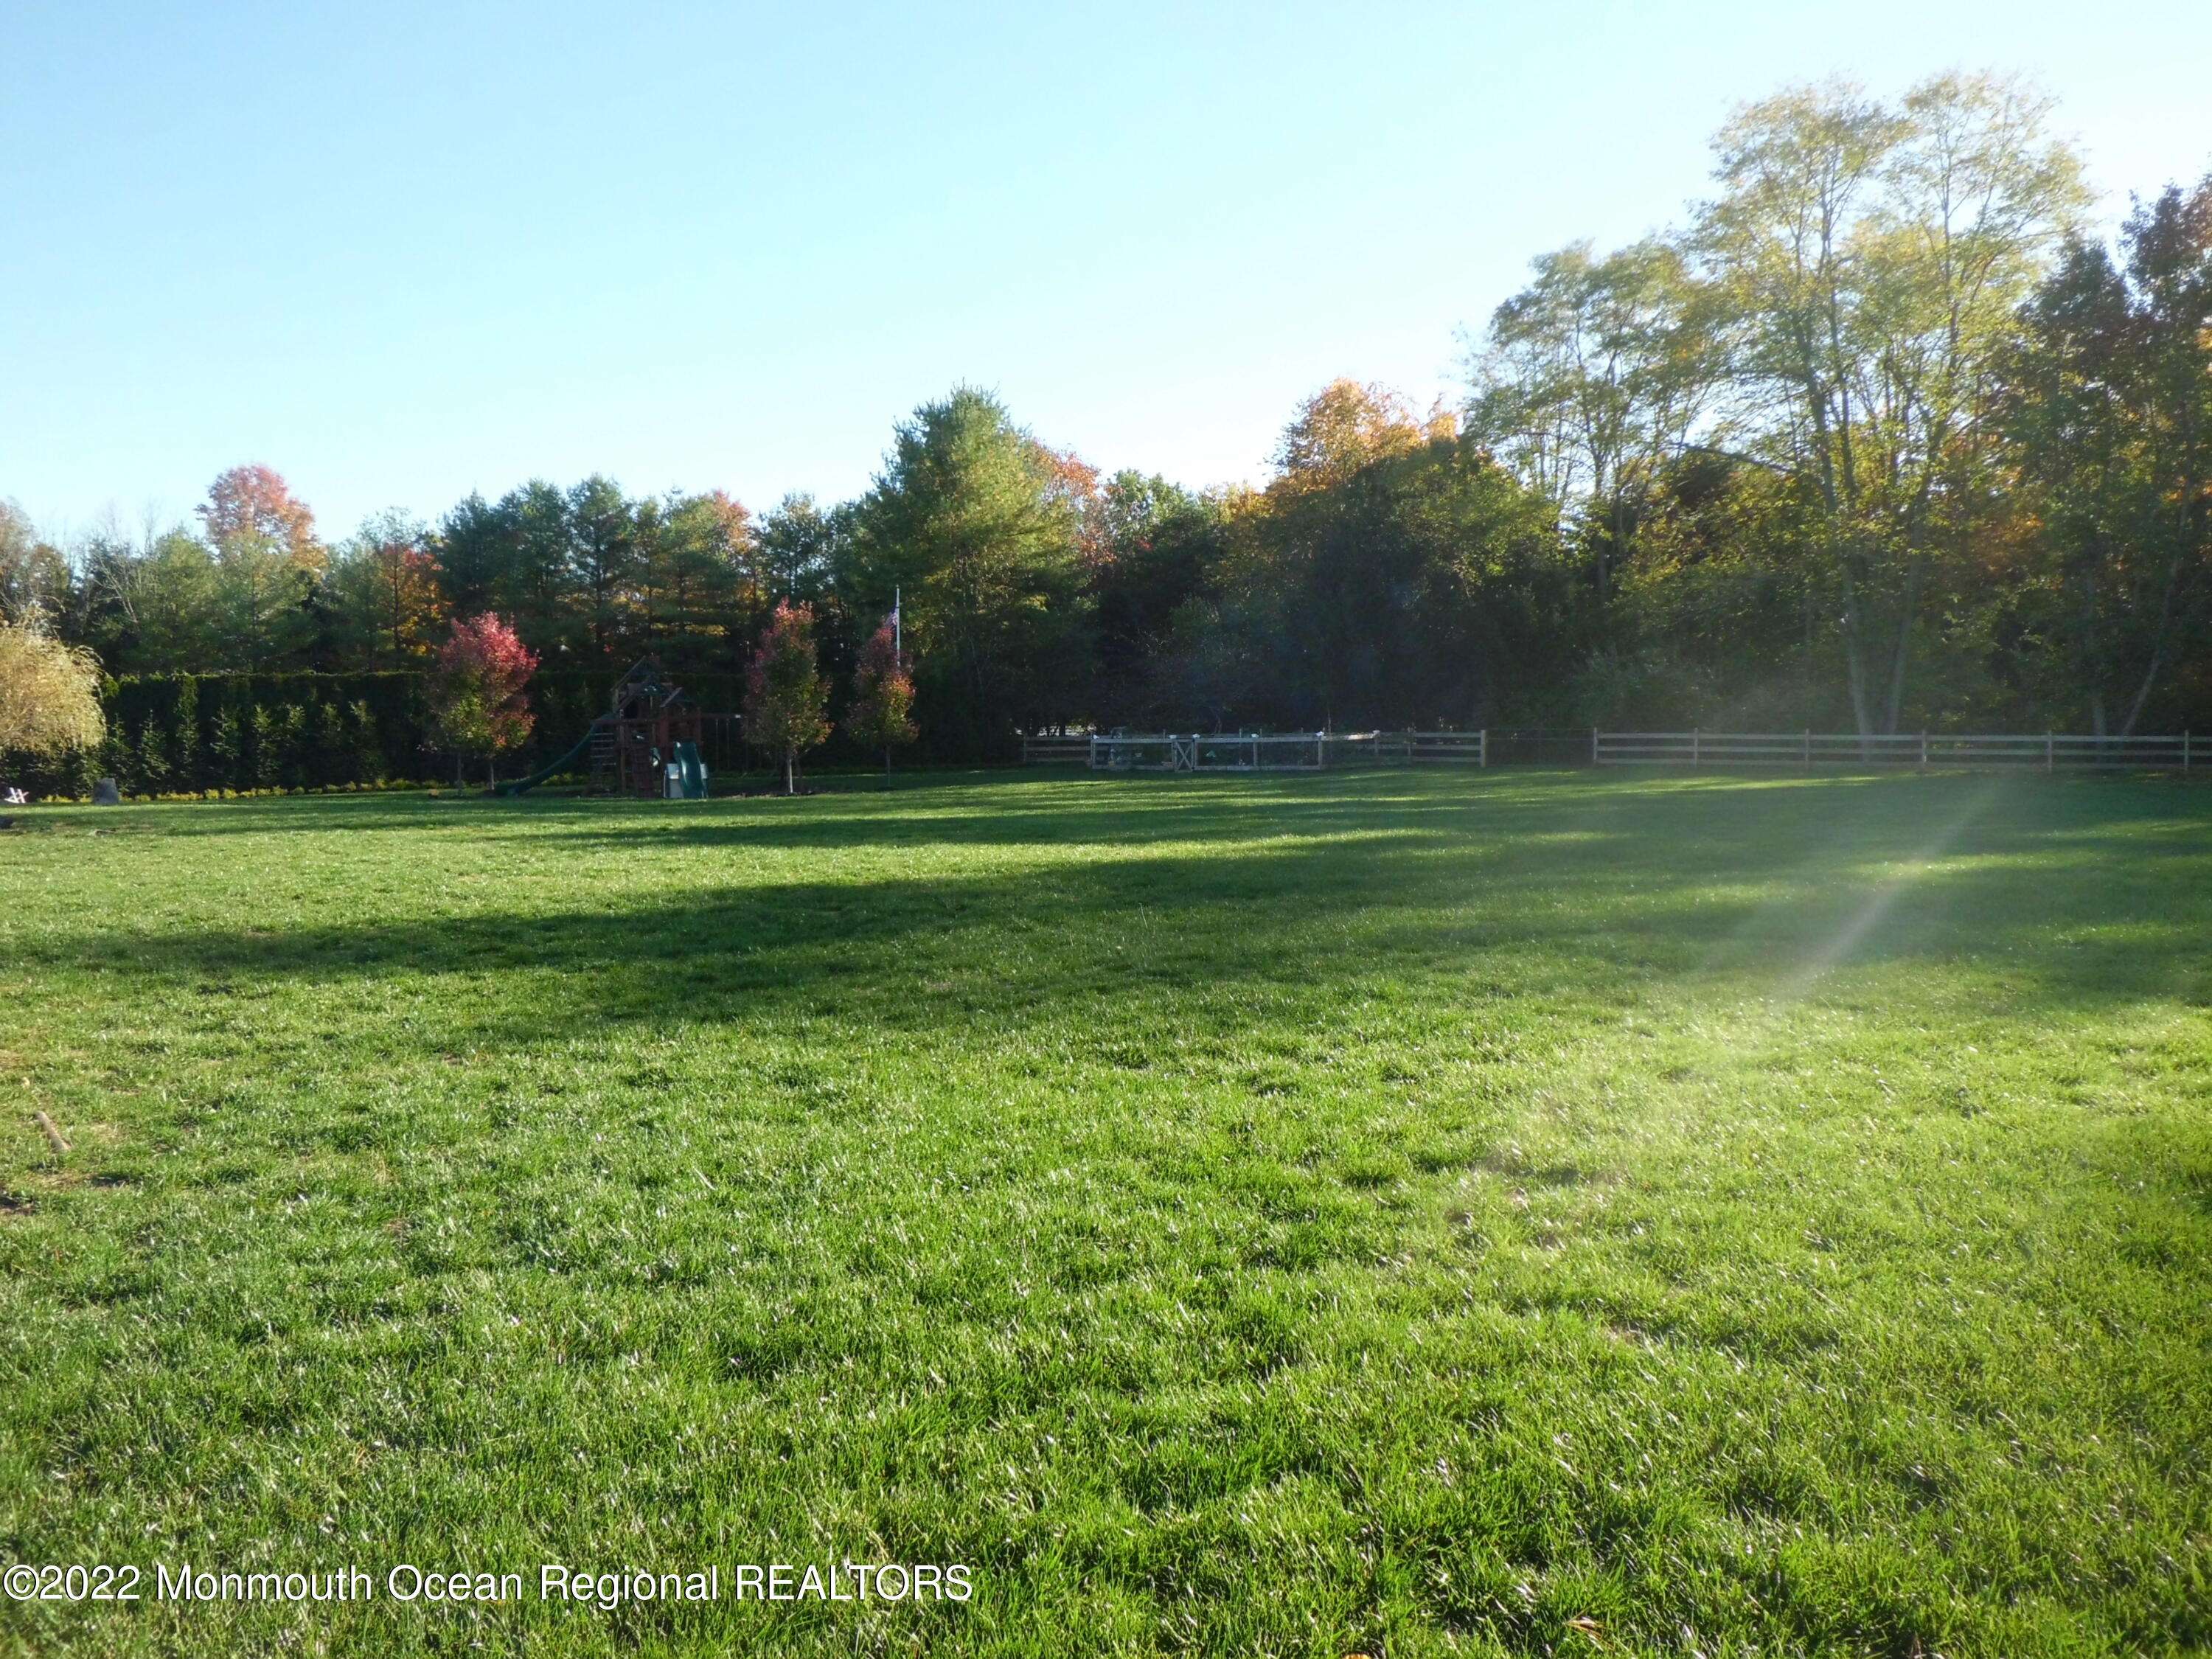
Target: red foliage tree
(477, 701)
(883, 696)
(253, 505)
(785, 696)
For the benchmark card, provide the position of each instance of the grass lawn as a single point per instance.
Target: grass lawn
(1405, 1214)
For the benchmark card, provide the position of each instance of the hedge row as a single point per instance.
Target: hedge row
(208, 734)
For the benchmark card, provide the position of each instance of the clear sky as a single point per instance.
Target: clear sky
(400, 251)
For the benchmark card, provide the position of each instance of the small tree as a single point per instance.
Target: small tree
(368, 745)
(883, 696)
(786, 695)
(48, 693)
(477, 701)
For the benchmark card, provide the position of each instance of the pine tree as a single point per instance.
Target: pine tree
(329, 760)
(150, 759)
(227, 750)
(367, 745)
(264, 733)
(184, 735)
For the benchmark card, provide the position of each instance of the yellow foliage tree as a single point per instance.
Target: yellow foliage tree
(48, 693)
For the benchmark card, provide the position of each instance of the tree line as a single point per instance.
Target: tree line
(1880, 438)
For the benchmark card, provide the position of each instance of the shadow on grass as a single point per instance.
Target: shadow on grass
(2072, 897)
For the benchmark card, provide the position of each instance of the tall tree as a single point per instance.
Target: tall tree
(696, 583)
(603, 533)
(267, 560)
(972, 521)
(34, 578)
(800, 549)
(254, 504)
(474, 550)
(2108, 405)
(1867, 260)
(385, 592)
(1591, 380)
(1161, 549)
(1394, 583)
(1342, 427)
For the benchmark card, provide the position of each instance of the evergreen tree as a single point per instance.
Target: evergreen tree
(227, 747)
(972, 523)
(367, 746)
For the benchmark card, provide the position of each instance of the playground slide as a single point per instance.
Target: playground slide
(522, 785)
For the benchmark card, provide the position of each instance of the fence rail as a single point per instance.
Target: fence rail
(1447, 747)
(1199, 751)
(2048, 751)
(1260, 751)
(1061, 751)
(1805, 752)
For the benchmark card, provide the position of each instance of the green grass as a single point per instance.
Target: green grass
(1392, 1213)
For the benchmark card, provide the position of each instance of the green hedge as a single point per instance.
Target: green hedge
(204, 734)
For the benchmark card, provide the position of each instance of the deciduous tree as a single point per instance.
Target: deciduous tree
(383, 587)
(787, 698)
(1591, 380)
(49, 692)
(267, 560)
(1867, 260)
(478, 692)
(883, 696)
(253, 505)
(2108, 407)
(34, 578)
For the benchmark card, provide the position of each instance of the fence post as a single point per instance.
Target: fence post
(2185, 754)
(1593, 745)
(2049, 751)
(1696, 741)
(1923, 751)
(1482, 747)
(1809, 751)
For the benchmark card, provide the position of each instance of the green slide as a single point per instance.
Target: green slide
(522, 785)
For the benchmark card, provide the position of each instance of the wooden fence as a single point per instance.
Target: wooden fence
(1256, 752)
(1056, 750)
(1804, 751)
(1807, 751)
(1447, 747)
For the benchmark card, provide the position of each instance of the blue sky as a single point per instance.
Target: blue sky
(398, 253)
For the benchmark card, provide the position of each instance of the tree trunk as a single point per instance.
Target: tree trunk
(1903, 651)
(1855, 658)
(790, 778)
(2142, 691)
(2091, 667)
(2158, 644)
